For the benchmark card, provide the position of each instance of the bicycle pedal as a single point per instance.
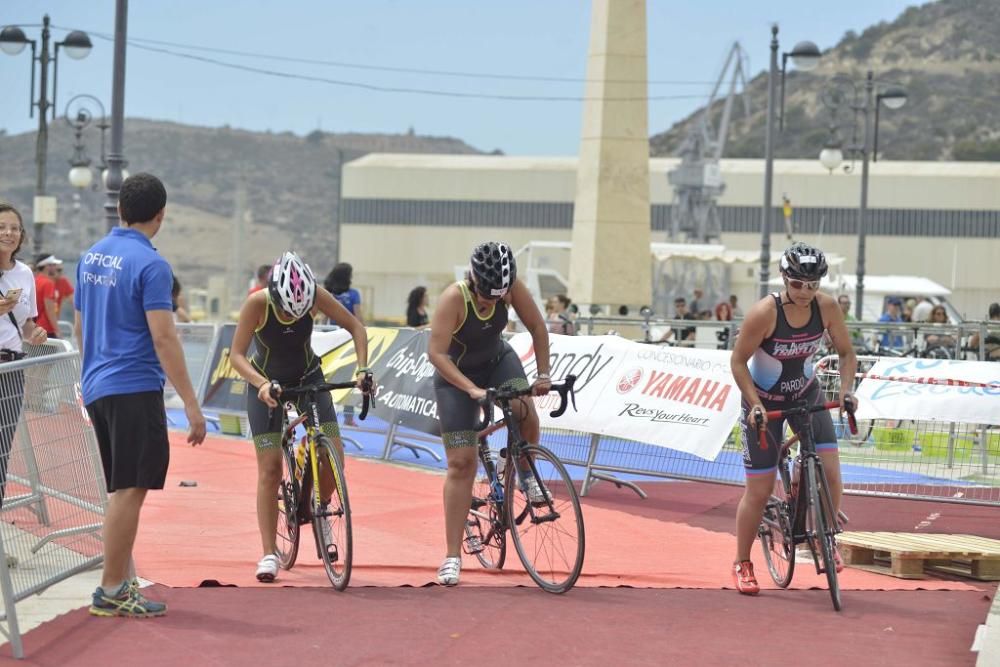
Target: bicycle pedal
(472, 545)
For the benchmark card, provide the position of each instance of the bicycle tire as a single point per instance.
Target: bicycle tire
(486, 523)
(775, 533)
(823, 527)
(531, 524)
(338, 512)
(287, 530)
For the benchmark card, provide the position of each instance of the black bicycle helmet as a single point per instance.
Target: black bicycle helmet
(803, 262)
(493, 269)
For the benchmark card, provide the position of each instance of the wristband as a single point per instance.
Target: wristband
(543, 376)
(365, 370)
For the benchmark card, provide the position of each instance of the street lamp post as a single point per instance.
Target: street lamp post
(116, 159)
(79, 117)
(832, 154)
(805, 56)
(77, 45)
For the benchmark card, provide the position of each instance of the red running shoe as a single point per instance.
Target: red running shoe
(744, 579)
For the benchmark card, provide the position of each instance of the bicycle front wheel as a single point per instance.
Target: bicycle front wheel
(332, 520)
(485, 530)
(546, 522)
(775, 533)
(287, 533)
(823, 529)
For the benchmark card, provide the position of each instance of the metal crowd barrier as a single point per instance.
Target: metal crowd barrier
(54, 490)
(198, 341)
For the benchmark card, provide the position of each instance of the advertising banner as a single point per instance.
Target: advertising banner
(681, 398)
(224, 389)
(931, 389)
(404, 391)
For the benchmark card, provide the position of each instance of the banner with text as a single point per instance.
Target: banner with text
(404, 391)
(224, 388)
(681, 398)
(932, 389)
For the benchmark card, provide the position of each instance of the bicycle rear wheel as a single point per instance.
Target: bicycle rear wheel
(336, 546)
(485, 530)
(287, 535)
(824, 529)
(548, 533)
(775, 532)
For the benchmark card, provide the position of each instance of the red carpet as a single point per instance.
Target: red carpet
(492, 626)
(209, 532)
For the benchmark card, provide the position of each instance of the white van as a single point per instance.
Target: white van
(878, 289)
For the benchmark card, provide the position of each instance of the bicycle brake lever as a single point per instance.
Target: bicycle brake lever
(366, 392)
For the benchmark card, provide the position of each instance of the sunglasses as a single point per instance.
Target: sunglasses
(811, 285)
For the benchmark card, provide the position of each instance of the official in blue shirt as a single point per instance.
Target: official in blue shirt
(893, 306)
(125, 329)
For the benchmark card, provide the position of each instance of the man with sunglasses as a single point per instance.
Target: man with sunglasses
(771, 365)
(469, 355)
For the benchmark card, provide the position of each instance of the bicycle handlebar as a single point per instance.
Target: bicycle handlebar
(802, 410)
(564, 389)
(294, 391)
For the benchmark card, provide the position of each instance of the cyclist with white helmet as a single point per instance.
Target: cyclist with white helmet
(771, 365)
(279, 321)
(470, 355)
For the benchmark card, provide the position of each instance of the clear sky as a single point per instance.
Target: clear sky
(525, 38)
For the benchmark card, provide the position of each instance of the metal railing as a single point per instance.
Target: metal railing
(53, 481)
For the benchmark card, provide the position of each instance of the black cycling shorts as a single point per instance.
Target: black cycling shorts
(458, 413)
(265, 423)
(131, 432)
(761, 459)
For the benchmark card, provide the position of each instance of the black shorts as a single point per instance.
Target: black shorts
(458, 413)
(760, 460)
(131, 432)
(265, 422)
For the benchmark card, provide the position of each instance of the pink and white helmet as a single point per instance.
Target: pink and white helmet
(292, 285)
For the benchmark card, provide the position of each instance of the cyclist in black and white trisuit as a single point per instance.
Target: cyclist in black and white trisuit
(469, 354)
(771, 365)
(279, 321)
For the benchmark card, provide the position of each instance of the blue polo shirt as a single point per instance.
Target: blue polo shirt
(117, 281)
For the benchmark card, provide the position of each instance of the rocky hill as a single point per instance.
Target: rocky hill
(947, 56)
(282, 188)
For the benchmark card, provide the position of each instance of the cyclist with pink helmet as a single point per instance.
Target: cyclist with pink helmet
(279, 322)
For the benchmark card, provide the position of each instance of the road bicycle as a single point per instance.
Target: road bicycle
(801, 509)
(300, 501)
(528, 492)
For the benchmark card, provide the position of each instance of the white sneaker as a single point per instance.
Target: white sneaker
(537, 494)
(267, 568)
(449, 571)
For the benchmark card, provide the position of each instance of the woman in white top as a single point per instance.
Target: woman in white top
(17, 325)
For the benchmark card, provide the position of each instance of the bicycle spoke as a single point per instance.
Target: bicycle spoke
(287, 531)
(332, 520)
(548, 534)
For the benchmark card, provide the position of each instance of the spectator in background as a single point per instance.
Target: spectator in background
(695, 306)
(686, 335)
(723, 312)
(734, 306)
(338, 283)
(857, 338)
(17, 308)
(128, 343)
(263, 273)
(907, 313)
(179, 303)
(416, 308)
(558, 316)
(892, 313)
(939, 316)
(922, 311)
(991, 343)
(46, 294)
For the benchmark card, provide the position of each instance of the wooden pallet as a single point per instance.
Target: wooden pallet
(909, 554)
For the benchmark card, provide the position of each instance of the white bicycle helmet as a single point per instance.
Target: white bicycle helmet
(292, 285)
